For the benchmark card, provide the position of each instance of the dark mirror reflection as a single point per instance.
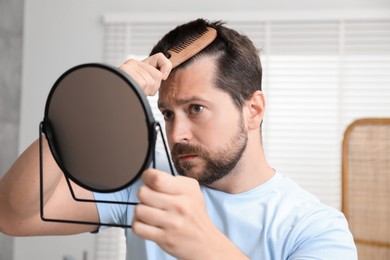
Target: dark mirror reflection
(97, 126)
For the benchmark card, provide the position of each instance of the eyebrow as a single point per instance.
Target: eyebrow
(162, 105)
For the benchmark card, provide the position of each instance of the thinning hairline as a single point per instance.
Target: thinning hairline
(215, 56)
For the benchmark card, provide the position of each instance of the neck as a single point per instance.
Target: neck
(251, 171)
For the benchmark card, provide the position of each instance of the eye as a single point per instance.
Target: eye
(168, 115)
(196, 109)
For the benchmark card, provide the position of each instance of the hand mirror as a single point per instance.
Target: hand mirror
(99, 127)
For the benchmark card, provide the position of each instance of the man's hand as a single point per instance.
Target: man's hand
(149, 72)
(173, 214)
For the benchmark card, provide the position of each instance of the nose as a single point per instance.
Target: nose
(179, 130)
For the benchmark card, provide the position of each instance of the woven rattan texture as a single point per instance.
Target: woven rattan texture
(366, 186)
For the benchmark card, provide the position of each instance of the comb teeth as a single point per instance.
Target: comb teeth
(183, 46)
(180, 53)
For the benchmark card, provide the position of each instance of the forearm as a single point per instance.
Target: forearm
(19, 188)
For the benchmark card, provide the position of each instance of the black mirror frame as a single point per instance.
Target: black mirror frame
(45, 128)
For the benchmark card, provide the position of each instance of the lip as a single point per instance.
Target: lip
(187, 157)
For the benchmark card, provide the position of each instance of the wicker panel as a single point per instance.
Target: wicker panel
(366, 186)
(372, 252)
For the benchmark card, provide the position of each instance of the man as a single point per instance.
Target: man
(226, 203)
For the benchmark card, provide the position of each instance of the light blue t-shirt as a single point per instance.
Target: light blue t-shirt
(276, 220)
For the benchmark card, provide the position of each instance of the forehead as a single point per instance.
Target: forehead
(194, 81)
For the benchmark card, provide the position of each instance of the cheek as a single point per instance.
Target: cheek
(218, 130)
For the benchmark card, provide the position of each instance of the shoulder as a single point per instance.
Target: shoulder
(322, 234)
(282, 220)
(314, 230)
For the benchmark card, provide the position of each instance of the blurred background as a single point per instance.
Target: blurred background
(326, 64)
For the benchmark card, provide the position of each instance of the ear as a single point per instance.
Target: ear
(255, 110)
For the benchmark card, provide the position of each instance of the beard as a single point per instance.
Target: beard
(217, 164)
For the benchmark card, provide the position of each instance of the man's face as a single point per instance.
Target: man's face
(206, 132)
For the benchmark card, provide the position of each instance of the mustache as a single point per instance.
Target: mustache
(180, 149)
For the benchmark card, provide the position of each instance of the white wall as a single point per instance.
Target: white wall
(61, 34)
(80, 247)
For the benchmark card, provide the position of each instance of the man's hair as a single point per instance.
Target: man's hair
(239, 71)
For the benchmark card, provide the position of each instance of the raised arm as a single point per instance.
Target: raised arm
(19, 198)
(19, 188)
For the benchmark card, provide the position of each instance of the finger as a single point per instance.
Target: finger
(147, 77)
(166, 183)
(157, 180)
(152, 77)
(155, 199)
(146, 82)
(151, 69)
(146, 231)
(151, 216)
(141, 80)
(162, 63)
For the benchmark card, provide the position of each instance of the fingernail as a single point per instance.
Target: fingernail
(167, 54)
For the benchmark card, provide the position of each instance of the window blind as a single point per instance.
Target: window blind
(319, 76)
(110, 245)
(301, 84)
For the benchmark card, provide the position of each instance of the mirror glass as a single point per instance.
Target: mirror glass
(99, 127)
